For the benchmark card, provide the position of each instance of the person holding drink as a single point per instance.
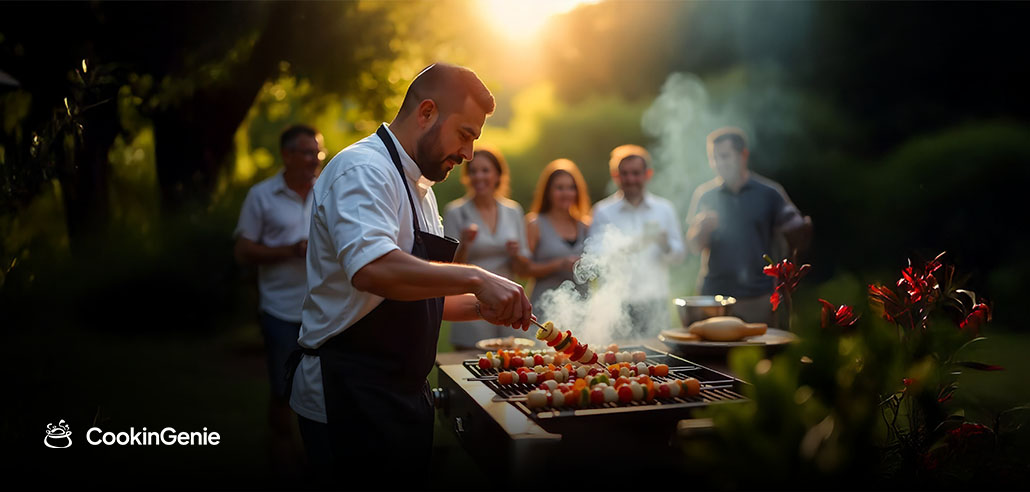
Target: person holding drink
(491, 230)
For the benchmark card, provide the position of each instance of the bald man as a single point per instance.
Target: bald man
(380, 282)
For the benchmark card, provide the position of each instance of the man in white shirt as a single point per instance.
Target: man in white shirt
(651, 223)
(272, 233)
(379, 284)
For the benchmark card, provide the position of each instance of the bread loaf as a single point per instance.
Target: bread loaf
(726, 329)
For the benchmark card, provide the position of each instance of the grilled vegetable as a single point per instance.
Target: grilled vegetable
(557, 398)
(578, 352)
(506, 377)
(566, 340)
(545, 333)
(692, 387)
(536, 399)
(571, 346)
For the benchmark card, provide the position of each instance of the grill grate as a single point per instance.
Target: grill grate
(715, 388)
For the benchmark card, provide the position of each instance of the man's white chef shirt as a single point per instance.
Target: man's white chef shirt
(360, 213)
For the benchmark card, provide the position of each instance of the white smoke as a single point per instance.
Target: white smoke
(620, 269)
(685, 112)
(755, 99)
(614, 265)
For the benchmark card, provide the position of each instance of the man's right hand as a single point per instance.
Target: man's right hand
(503, 302)
(709, 221)
(699, 234)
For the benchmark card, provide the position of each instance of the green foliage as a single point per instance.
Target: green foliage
(871, 407)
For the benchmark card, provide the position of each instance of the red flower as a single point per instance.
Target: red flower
(929, 461)
(787, 278)
(908, 382)
(842, 316)
(966, 431)
(920, 283)
(980, 314)
(891, 304)
(780, 270)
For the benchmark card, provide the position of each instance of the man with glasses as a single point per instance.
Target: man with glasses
(272, 233)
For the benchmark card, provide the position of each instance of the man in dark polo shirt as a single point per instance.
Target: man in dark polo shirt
(736, 218)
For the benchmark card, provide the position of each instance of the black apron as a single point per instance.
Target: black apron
(377, 400)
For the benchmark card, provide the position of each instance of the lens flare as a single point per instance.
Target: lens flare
(521, 20)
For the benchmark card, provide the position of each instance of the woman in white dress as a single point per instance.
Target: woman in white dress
(491, 229)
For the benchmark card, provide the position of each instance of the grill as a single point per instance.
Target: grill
(488, 416)
(715, 388)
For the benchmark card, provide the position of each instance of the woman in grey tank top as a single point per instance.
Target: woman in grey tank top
(556, 228)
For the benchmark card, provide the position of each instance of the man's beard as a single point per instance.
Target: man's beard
(431, 159)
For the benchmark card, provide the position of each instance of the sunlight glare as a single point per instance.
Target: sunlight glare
(521, 20)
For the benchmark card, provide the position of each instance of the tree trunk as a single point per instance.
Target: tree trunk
(85, 183)
(194, 140)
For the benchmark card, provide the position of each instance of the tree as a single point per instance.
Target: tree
(196, 69)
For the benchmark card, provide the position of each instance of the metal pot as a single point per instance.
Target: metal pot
(697, 308)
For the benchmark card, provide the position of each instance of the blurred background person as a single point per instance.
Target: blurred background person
(272, 233)
(650, 221)
(489, 225)
(556, 228)
(734, 220)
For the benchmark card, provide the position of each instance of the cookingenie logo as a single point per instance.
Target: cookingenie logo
(58, 436)
(166, 437)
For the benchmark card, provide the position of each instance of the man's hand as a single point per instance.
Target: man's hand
(708, 222)
(253, 253)
(503, 302)
(513, 248)
(662, 240)
(699, 234)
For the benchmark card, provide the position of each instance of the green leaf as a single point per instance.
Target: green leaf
(951, 422)
(964, 345)
(947, 391)
(979, 366)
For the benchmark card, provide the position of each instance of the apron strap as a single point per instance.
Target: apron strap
(384, 135)
(292, 362)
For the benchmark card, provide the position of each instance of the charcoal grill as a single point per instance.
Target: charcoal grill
(487, 416)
